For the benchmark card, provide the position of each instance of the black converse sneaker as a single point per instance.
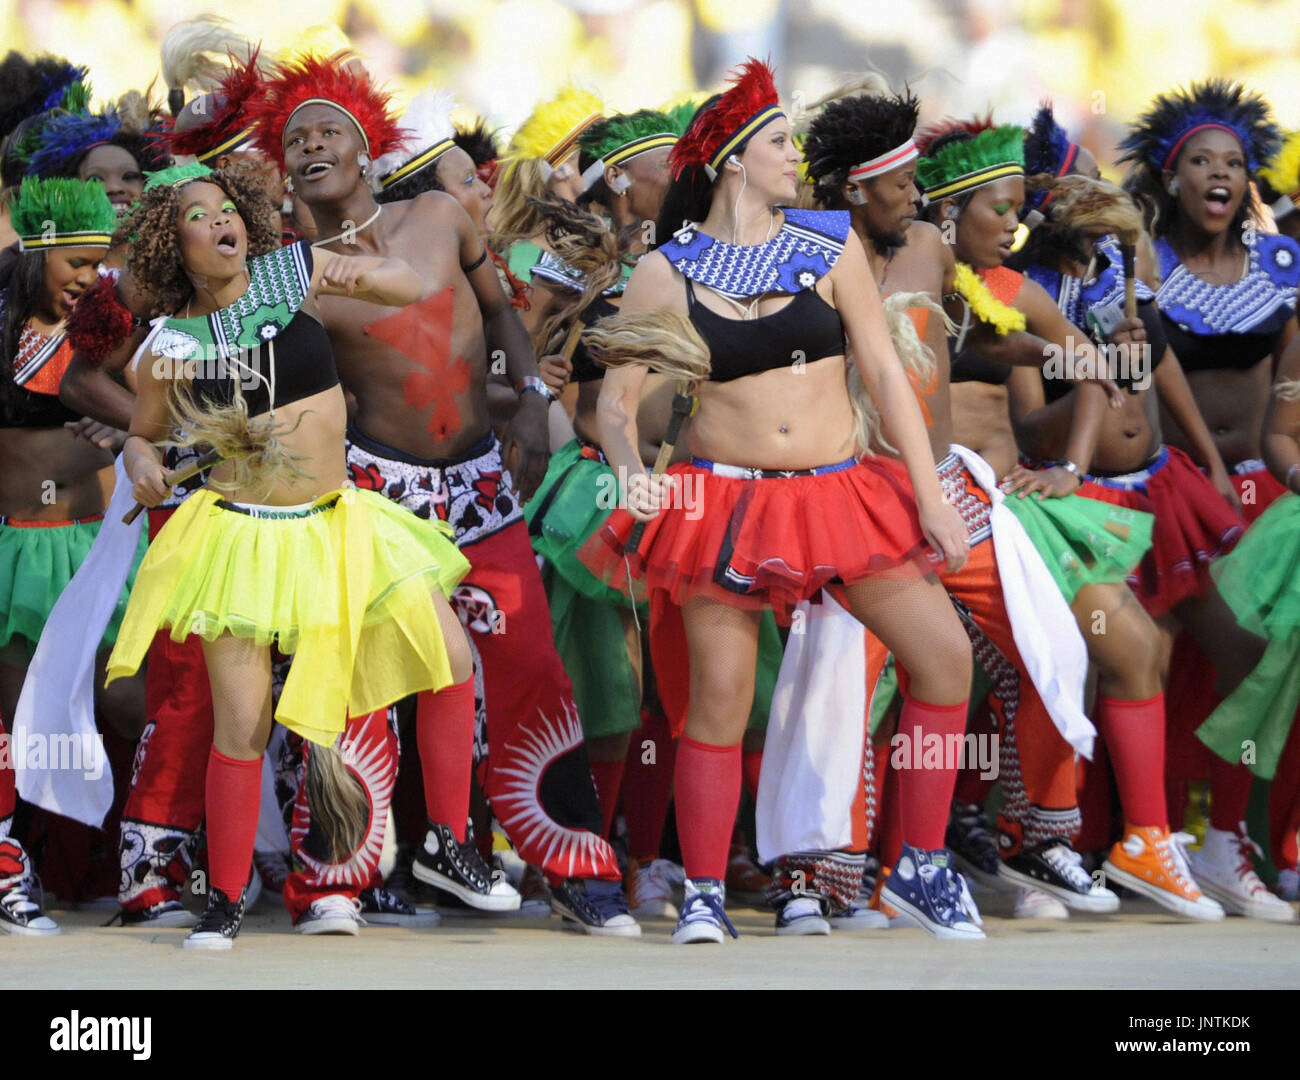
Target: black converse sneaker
(457, 868)
(1054, 867)
(22, 916)
(219, 923)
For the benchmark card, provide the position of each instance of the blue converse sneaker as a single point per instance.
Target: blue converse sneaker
(594, 907)
(927, 891)
(381, 907)
(703, 913)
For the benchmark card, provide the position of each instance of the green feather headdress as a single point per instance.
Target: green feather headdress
(617, 139)
(62, 213)
(962, 165)
(176, 175)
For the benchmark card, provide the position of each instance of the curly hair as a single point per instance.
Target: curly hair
(155, 260)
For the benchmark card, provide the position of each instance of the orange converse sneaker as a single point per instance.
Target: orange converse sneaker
(877, 902)
(1152, 863)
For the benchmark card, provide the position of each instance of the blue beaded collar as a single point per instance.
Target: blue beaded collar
(1076, 297)
(1261, 302)
(796, 258)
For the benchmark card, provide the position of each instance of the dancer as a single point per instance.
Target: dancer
(355, 590)
(51, 498)
(1127, 651)
(1227, 302)
(421, 434)
(795, 522)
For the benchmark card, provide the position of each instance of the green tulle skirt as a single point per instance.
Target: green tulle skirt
(1260, 581)
(1084, 541)
(36, 563)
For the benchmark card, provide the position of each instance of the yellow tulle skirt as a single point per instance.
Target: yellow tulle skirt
(345, 584)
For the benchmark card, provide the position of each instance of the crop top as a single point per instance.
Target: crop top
(263, 339)
(31, 400)
(585, 369)
(1230, 326)
(807, 325)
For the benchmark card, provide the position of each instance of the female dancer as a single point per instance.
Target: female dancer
(288, 552)
(1123, 643)
(51, 498)
(1227, 301)
(771, 531)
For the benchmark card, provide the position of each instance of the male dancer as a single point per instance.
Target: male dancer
(421, 433)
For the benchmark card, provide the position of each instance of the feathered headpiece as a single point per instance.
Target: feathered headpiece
(1155, 140)
(727, 126)
(1048, 149)
(28, 86)
(480, 143)
(965, 161)
(617, 139)
(428, 121)
(61, 136)
(1282, 174)
(62, 213)
(231, 127)
(176, 175)
(860, 137)
(550, 134)
(314, 80)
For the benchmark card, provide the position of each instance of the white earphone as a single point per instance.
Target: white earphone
(856, 197)
(619, 184)
(1174, 185)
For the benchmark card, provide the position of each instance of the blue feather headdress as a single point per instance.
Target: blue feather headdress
(64, 135)
(1048, 149)
(1156, 138)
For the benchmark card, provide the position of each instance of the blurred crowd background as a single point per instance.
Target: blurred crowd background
(1100, 60)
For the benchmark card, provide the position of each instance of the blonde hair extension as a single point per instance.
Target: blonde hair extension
(339, 805)
(664, 341)
(916, 357)
(513, 217)
(251, 445)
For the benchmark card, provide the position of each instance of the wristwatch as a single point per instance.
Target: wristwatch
(537, 386)
(1074, 470)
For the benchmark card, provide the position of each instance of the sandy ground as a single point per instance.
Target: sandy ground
(1142, 947)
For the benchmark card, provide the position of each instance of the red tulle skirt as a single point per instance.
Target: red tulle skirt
(769, 542)
(1194, 526)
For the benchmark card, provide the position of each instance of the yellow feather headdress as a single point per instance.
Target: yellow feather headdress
(551, 133)
(1283, 171)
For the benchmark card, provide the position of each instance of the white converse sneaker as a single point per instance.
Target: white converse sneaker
(1036, 904)
(801, 917)
(651, 887)
(333, 914)
(1223, 870)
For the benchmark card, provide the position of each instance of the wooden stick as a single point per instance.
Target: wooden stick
(682, 405)
(571, 342)
(1129, 252)
(178, 476)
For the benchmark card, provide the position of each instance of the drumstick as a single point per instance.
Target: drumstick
(682, 405)
(186, 472)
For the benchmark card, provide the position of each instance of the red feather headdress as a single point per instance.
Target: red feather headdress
(723, 129)
(314, 80)
(232, 125)
(927, 137)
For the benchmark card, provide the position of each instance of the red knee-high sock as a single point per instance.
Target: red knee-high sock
(707, 784)
(608, 777)
(648, 786)
(891, 825)
(1229, 793)
(1092, 782)
(751, 764)
(1135, 737)
(925, 793)
(233, 797)
(444, 729)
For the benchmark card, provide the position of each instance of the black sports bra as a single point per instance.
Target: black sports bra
(299, 359)
(585, 369)
(970, 365)
(1211, 352)
(739, 347)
